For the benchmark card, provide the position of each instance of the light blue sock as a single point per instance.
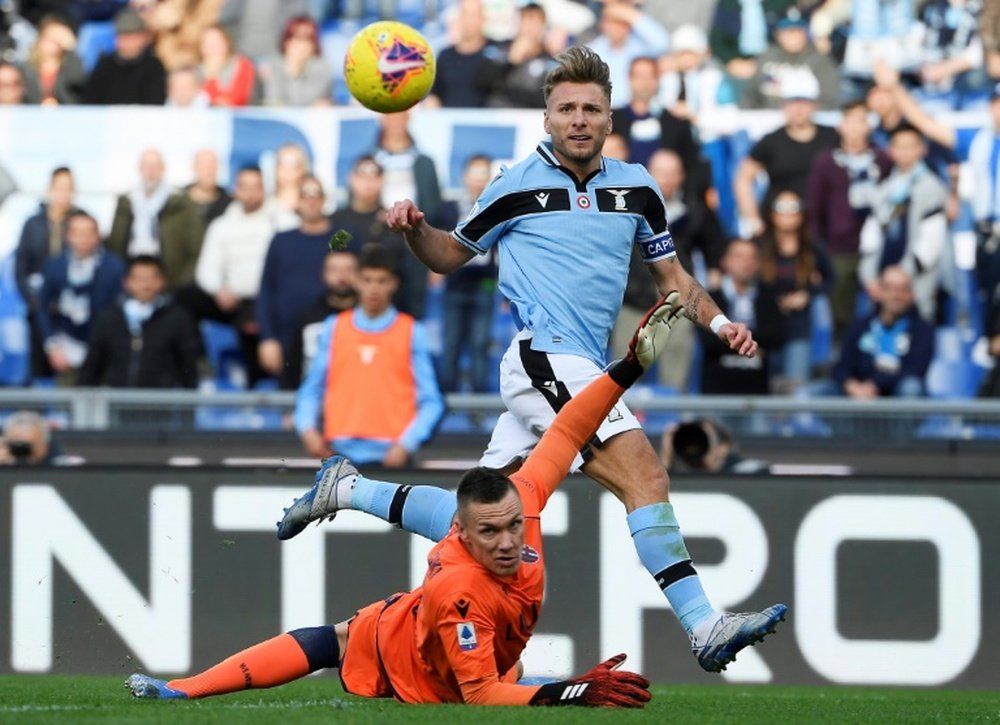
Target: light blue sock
(423, 510)
(658, 540)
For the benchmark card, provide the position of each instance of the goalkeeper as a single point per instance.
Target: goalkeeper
(459, 637)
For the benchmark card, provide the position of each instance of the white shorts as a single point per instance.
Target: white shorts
(534, 386)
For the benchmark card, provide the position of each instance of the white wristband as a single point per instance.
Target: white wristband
(717, 322)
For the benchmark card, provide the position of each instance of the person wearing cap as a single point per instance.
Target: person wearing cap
(792, 52)
(132, 74)
(694, 87)
(786, 154)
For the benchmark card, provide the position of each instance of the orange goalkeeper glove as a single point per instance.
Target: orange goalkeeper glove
(603, 686)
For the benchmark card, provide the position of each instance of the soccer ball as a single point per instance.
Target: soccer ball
(389, 66)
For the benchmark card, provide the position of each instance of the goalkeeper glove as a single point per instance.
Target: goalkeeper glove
(603, 686)
(649, 340)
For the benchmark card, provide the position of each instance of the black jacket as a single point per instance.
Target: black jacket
(163, 355)
(140, 81)
(724, 372)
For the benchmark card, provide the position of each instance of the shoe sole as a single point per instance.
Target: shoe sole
(719, 664)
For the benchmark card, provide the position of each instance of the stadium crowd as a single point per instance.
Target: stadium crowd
(853, 205)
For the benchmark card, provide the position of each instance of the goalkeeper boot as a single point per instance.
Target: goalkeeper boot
(320, 501)
(732, 632)
(150, 688)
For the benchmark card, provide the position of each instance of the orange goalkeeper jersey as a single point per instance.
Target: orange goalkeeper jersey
(456, 638)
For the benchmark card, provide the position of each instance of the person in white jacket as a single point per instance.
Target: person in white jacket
(227, 276)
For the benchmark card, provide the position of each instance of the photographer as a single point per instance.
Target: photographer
(27, 441)
(704, 445)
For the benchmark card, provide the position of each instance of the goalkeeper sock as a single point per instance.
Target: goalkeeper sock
(273, 662)
(660, 545)
(423, 510)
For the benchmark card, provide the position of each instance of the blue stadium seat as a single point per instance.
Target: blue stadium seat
(95, 38)
(953, 373)
(222, 349)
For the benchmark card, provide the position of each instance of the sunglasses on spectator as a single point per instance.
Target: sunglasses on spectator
(787, 207)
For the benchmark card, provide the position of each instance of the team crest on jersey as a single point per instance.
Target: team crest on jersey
(529, 555)
(466, 636)
(583, 201)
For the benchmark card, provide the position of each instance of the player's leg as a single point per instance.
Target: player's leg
(273, 662)
(537, 385)
(423, 510)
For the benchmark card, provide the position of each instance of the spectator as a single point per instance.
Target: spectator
(784, 155)
(886, 352)
(132, 74)
(842, 184)
(340, 276)
(616, 147)
(694, 87)
(27, 441)
(742, 298)
(54, 73)
(989, 33)
(41, 239)
(626, 34)
(951, 75)
(672, 14)
(145, 340)
(370, 392)
(990, 387)
(521, 74)
(228, 275)
(469, 295)
(291, 166)
(407, 173)
(645, 127)
(255, 25)
(695, 227)
(364, 219)
(12, 91)
(797, 271)
(184, 88)
(791, 53)
(465, 68)
(740, 31)
(76, 287)
(289, 283)
(299, 76)
(17, 34)
(159, 221)
(908, 226)
(210, 198)
(228, 77)
(177, 26)
(882, 30)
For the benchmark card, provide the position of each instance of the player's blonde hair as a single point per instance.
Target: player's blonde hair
(578, 65)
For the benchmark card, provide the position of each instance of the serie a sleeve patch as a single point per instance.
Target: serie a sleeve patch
(466, 636)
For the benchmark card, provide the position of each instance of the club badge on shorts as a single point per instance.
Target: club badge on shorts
(466, 636)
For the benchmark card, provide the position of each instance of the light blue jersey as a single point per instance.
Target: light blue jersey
(564, 245)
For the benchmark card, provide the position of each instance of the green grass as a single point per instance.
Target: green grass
(61, 699)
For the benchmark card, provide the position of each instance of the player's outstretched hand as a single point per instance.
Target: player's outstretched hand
(603, 686)
(651, 336)
(739, 338)
(403, 216)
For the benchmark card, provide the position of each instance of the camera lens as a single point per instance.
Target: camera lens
(691, 443)
(20, 450)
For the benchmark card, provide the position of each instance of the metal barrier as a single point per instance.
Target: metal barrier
(783, 417)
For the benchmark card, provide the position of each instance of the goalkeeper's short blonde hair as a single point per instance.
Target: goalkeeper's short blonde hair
(578, 65)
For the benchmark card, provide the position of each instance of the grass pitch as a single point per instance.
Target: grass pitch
(62, 699)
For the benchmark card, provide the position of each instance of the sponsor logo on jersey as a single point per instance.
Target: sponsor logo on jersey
(529, 555)
(367, 353)
(462, 607)
(466, 636)
(583, 201)
(543, 198)
(615, 415)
